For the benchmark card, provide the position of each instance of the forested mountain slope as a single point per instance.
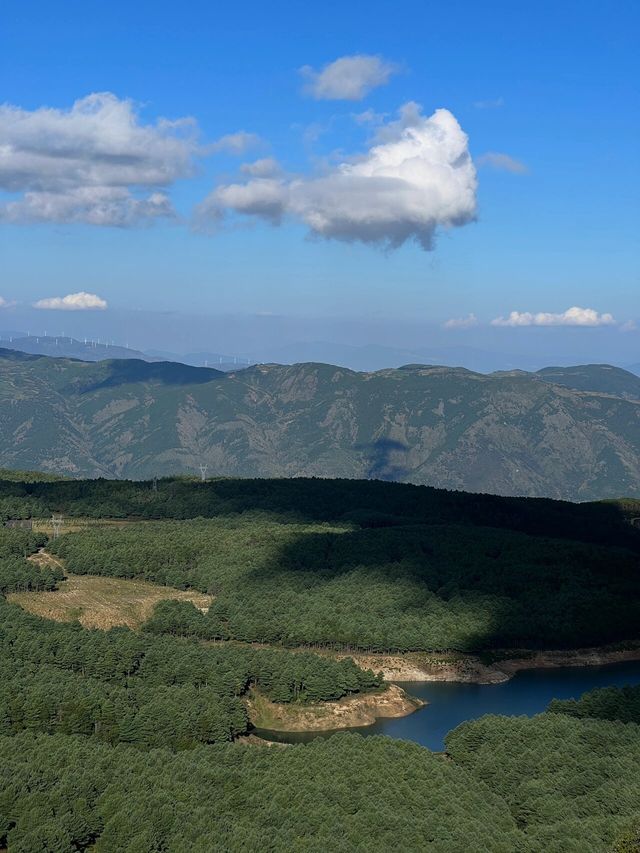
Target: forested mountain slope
(506, 433)
(601, 378)
(348, 564)
(120, 741)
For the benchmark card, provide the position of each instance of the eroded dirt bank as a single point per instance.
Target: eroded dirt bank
(419, 666)
(357, 710)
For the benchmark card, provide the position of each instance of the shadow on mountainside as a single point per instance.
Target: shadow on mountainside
(437, 587)
(128, 371)
(367, 503)
(406, 567)
(386, 459)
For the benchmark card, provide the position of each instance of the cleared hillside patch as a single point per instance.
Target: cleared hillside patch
(98, 602)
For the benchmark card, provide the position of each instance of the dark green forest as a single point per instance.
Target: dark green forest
(133, 741)
(571, 785)
(551, 783)
(366, 503)
(16, 573)
(408, 587)
(606, 703)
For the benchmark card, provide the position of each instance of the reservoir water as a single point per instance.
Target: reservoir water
(450, 703)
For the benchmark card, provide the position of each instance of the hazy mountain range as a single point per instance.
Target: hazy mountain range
(571, 433)
(96, 350)
(369, 357)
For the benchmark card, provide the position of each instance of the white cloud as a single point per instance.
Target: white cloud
(418, 178)
(629, 326)
(571, 317)
(95, 162)
(349, 78)
(503, 163)
(467, 322)
(267, 167)
(4, 303)
(494, 104)
(233, 143)
(72, 302)
(112, 206)
(264, 197)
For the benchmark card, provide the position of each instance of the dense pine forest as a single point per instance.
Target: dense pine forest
(371, 565)
(411, 587)
(132, 741)
(509, 784)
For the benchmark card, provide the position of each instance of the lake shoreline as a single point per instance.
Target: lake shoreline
(359, 709)
(470, 669)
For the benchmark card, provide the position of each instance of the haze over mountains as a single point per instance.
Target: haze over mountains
(366, 357)
(565, 433)
(357, 342)
(96, 350)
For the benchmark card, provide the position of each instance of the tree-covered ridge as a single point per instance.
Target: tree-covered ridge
(141, 689)
(8, 474)
(365, 503)
(606, 703)
(571, 785)
(148, 691)
(506, 433)
(123, 742)
(398, 588)
(343, 794)
(507, 784)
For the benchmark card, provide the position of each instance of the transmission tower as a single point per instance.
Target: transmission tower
(56, 521)
(203, 472)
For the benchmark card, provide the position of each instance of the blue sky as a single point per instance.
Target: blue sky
(552, 86)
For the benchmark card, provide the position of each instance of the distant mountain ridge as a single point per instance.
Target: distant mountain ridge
(563, 432)
(602, 378)
(91, 350)
(65, 347)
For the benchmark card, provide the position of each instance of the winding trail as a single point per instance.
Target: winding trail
(43, 558)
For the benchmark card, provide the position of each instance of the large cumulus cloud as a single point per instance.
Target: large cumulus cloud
(417, 177)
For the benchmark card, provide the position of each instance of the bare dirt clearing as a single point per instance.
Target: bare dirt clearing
(98, 602)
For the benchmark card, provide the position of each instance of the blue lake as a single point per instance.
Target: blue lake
(528, 692)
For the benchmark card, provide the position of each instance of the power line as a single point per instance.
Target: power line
(57, 521)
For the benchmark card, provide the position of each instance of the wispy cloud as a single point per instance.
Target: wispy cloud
(267, 167)
(368, 117)
(494, 104)
(502, 163)
(467, 322)
(419, 177)
(349, 78)
(571, 317)
(5, 303)
(233, 143)
(72, 302)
